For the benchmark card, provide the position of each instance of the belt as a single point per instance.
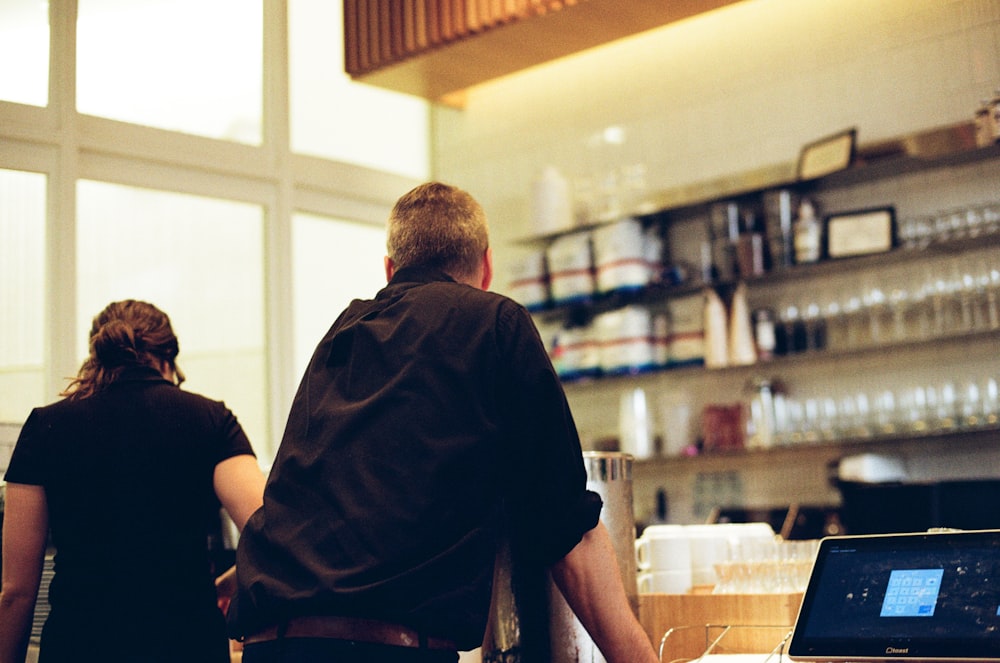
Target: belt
(351, 628)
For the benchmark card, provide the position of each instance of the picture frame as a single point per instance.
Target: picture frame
(860, 232)
(827, 155)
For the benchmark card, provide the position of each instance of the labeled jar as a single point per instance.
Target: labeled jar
(763, 332)
(808, 234)
(751, 249)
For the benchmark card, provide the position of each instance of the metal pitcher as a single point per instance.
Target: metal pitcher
(530, 621)
(609, 475)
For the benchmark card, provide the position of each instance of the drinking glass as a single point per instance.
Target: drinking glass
(914, 231)
(974, 224)
(941, 405)
(835, 322)
(898, 303)
(970, 406)
(830, 428)
(814, 326)
(811, 424)
(875, 302)
(918, 313)
(946, 298)
(854, 323)
(794, 421)
(990, 213)
(990, 395)
(913, 408)
(884, 412)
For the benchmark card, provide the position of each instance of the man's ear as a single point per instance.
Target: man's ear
(487, 269)
(390, 268)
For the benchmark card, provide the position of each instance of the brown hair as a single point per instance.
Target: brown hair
(125, 334)
(438, 225)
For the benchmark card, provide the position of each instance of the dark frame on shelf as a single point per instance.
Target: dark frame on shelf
(860, 232)
(827, 155)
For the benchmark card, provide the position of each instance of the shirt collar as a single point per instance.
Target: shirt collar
(419, 275)
(141, 374)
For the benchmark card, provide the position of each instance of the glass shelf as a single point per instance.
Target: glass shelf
(578, 312)
(986, 434)
(800, 358)
(887, 159)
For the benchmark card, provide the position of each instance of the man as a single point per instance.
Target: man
(427, 416)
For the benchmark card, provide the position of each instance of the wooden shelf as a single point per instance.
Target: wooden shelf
(441, 72)
(783, 362)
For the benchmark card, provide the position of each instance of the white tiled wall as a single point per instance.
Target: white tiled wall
(735, 90)
(730, 91)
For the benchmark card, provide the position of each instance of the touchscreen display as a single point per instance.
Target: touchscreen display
(902, 596)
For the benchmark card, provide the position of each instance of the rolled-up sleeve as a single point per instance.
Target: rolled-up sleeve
(549, 508)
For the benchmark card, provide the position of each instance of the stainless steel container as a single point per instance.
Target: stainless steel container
(518, 628)
(609, 475)
(530, 621)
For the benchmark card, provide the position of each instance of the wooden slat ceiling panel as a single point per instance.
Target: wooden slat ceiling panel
(437, 48)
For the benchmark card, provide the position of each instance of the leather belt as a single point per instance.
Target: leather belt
(350, 628)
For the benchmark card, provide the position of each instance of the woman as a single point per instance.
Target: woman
(127, 473)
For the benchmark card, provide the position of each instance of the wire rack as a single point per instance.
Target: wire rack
(683, 644)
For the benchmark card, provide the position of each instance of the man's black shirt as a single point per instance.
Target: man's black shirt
(424, 413)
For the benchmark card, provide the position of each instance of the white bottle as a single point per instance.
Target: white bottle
(551, 203)
(716, 345)
(741, 344)
(807, 234)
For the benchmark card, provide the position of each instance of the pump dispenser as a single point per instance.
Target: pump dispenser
(807, 234)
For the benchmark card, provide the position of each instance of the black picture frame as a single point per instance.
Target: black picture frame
(827, 155)
(860, 232)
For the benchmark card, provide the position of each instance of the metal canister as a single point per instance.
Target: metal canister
(609, 474)
(530, 621)
(517, 630)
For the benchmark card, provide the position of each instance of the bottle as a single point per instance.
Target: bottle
(751, 248)
(716, 345)
(764, 336)
(723, 234)
(778, 218)
(790, 333)
(551, 204)
(807, 234)
(762, 415)
(741, 344)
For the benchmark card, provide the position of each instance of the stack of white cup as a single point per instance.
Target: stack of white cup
(663, 558)
(675, 559)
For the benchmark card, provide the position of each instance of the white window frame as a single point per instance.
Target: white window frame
(67, 146)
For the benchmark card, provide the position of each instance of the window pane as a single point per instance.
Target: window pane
(335, 118)
(200, 260)
(22, 294)
(24, 39)
(193, 66)
(334, 262)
